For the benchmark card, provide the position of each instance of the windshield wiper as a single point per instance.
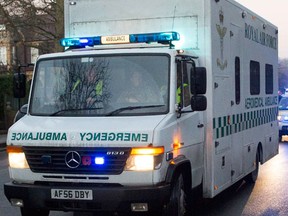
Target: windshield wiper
(115, 112)
(73, 110)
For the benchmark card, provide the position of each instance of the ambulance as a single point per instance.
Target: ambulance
(150, 101)
(283, 116)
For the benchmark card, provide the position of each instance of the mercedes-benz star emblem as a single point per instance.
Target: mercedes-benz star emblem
(73, 159)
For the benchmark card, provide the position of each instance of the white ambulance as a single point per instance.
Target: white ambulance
(283, 116)
(151, 100)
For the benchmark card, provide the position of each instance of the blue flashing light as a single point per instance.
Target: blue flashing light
(160, 37)
(80, 42)
(99, 160)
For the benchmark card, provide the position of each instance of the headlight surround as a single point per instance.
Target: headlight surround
(145, 159)
(17, 157)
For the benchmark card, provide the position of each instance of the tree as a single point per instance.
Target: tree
(283, 73)
(36, 23)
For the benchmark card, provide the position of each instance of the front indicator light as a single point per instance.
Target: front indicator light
(145, 159)
(17, 158)
(147, 151)
(17, 202)
(139, 207)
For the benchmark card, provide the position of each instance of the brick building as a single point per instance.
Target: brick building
(15, 51)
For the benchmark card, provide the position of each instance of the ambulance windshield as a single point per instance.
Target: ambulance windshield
(283, 104)
(101, 86)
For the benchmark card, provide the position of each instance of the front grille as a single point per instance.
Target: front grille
(52, 160)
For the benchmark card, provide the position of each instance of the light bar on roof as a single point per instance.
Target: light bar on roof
(159, 37)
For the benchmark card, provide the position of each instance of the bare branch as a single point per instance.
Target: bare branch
(38, 20)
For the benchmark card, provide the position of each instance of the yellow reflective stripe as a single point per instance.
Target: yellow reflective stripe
(75, 85)
(178, 95)
(99, 87)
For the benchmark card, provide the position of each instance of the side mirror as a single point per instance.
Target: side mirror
(198, 80)
(19, 85)
(21, 112)
(198, 103)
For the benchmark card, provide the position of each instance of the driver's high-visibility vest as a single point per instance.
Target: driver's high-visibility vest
(178, 99)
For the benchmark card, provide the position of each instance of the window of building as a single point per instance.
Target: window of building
(237, 80)
(3, 55)
(3, 32)
(34, 54)
(254, 78)
(2, 27)
(269, 79)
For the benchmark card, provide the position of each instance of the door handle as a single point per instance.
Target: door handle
(200, 125)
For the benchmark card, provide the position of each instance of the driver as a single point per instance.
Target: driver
(139, 91)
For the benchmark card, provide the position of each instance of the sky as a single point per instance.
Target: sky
(276, 12)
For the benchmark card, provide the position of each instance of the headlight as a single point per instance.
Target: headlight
(282, 118)
(145, 159)
(279, 118)
(16, 157)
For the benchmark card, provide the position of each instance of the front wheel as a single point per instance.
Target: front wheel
(180, 198)
(34, 212)
(252, 177)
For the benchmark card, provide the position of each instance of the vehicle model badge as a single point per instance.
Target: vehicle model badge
(73, 159)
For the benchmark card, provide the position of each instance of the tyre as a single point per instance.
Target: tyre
(34, 212)
(180, 198)
(252, 177)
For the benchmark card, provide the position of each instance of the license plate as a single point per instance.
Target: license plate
(71, 194)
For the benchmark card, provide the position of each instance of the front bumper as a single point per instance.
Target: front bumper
(105, 198)
(283, 129)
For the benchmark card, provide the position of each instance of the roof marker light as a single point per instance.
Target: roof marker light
(160, 37)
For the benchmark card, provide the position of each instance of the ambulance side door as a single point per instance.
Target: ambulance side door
(190, 123)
